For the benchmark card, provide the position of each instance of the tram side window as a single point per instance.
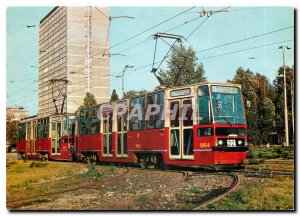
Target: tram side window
(65, 131)
(46, 131)
(137, 115)
(40, 131)
(84, 121)
(154, 120)
(94, 121)
(204, 111)
(21, 132)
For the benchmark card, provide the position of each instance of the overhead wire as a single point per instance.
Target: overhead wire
(244, 39)
(241, 50)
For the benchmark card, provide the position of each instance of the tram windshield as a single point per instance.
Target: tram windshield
(227, 105)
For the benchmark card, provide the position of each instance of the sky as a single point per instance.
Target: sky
(220, 64)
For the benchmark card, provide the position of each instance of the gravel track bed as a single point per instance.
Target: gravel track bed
(109, 195)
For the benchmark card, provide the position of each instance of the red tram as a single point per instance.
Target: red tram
(26, 137)
(51, 137)
(56, 137)
(201, 125)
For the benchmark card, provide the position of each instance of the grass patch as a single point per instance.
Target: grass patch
(272, 166)
(141, 200)
(20, 176)
(38, 164)
(195, 190)
(92, 172)
(263, 194)
(255, 161)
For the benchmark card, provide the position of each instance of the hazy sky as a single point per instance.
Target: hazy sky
(220, 63)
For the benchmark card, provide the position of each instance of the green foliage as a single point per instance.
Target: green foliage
(114, 96)
(183, 59)
(195, 190)
(88, 101)
(278, 100)
(133, 93)
(92, 172)
(261, 153)
(11, 130)
(286, 152)
(267, 194)
(143, 199)
(261, 115)
(255, 161)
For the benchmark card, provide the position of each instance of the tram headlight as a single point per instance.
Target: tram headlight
(220, 142)
(240, 142)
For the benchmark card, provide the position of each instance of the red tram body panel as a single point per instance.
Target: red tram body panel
(21, 147)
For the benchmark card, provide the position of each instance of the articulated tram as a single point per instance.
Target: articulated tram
(201, 125)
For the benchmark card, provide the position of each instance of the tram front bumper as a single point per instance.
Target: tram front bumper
(230, 149)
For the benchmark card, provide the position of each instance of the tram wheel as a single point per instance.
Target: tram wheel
(92, 159)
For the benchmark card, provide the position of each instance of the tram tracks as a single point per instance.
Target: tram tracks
(211, 199)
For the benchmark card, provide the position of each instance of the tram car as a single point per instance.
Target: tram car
(201, 125)
(47, 138)
(26, 138)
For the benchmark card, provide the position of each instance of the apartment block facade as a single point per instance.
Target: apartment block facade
(71, 61)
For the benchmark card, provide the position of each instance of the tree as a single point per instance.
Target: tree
(114, 96)
(261, 115)
(278, 100)
(88, 101)
(11, 130)
(134, 93)
(183, 59)
(246, 79)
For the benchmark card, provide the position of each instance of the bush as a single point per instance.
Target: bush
(92, 172)
(271, 153)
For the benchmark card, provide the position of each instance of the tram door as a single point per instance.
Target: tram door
(34, 136)
(181, 129)
(28, 137)
(107, 134)
(122, 127)
(55, 135)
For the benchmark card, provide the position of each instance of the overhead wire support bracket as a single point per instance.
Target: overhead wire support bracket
(162, 36)
(59, 89)
(168, 36)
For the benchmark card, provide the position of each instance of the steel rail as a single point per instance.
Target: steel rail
(234, 184)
